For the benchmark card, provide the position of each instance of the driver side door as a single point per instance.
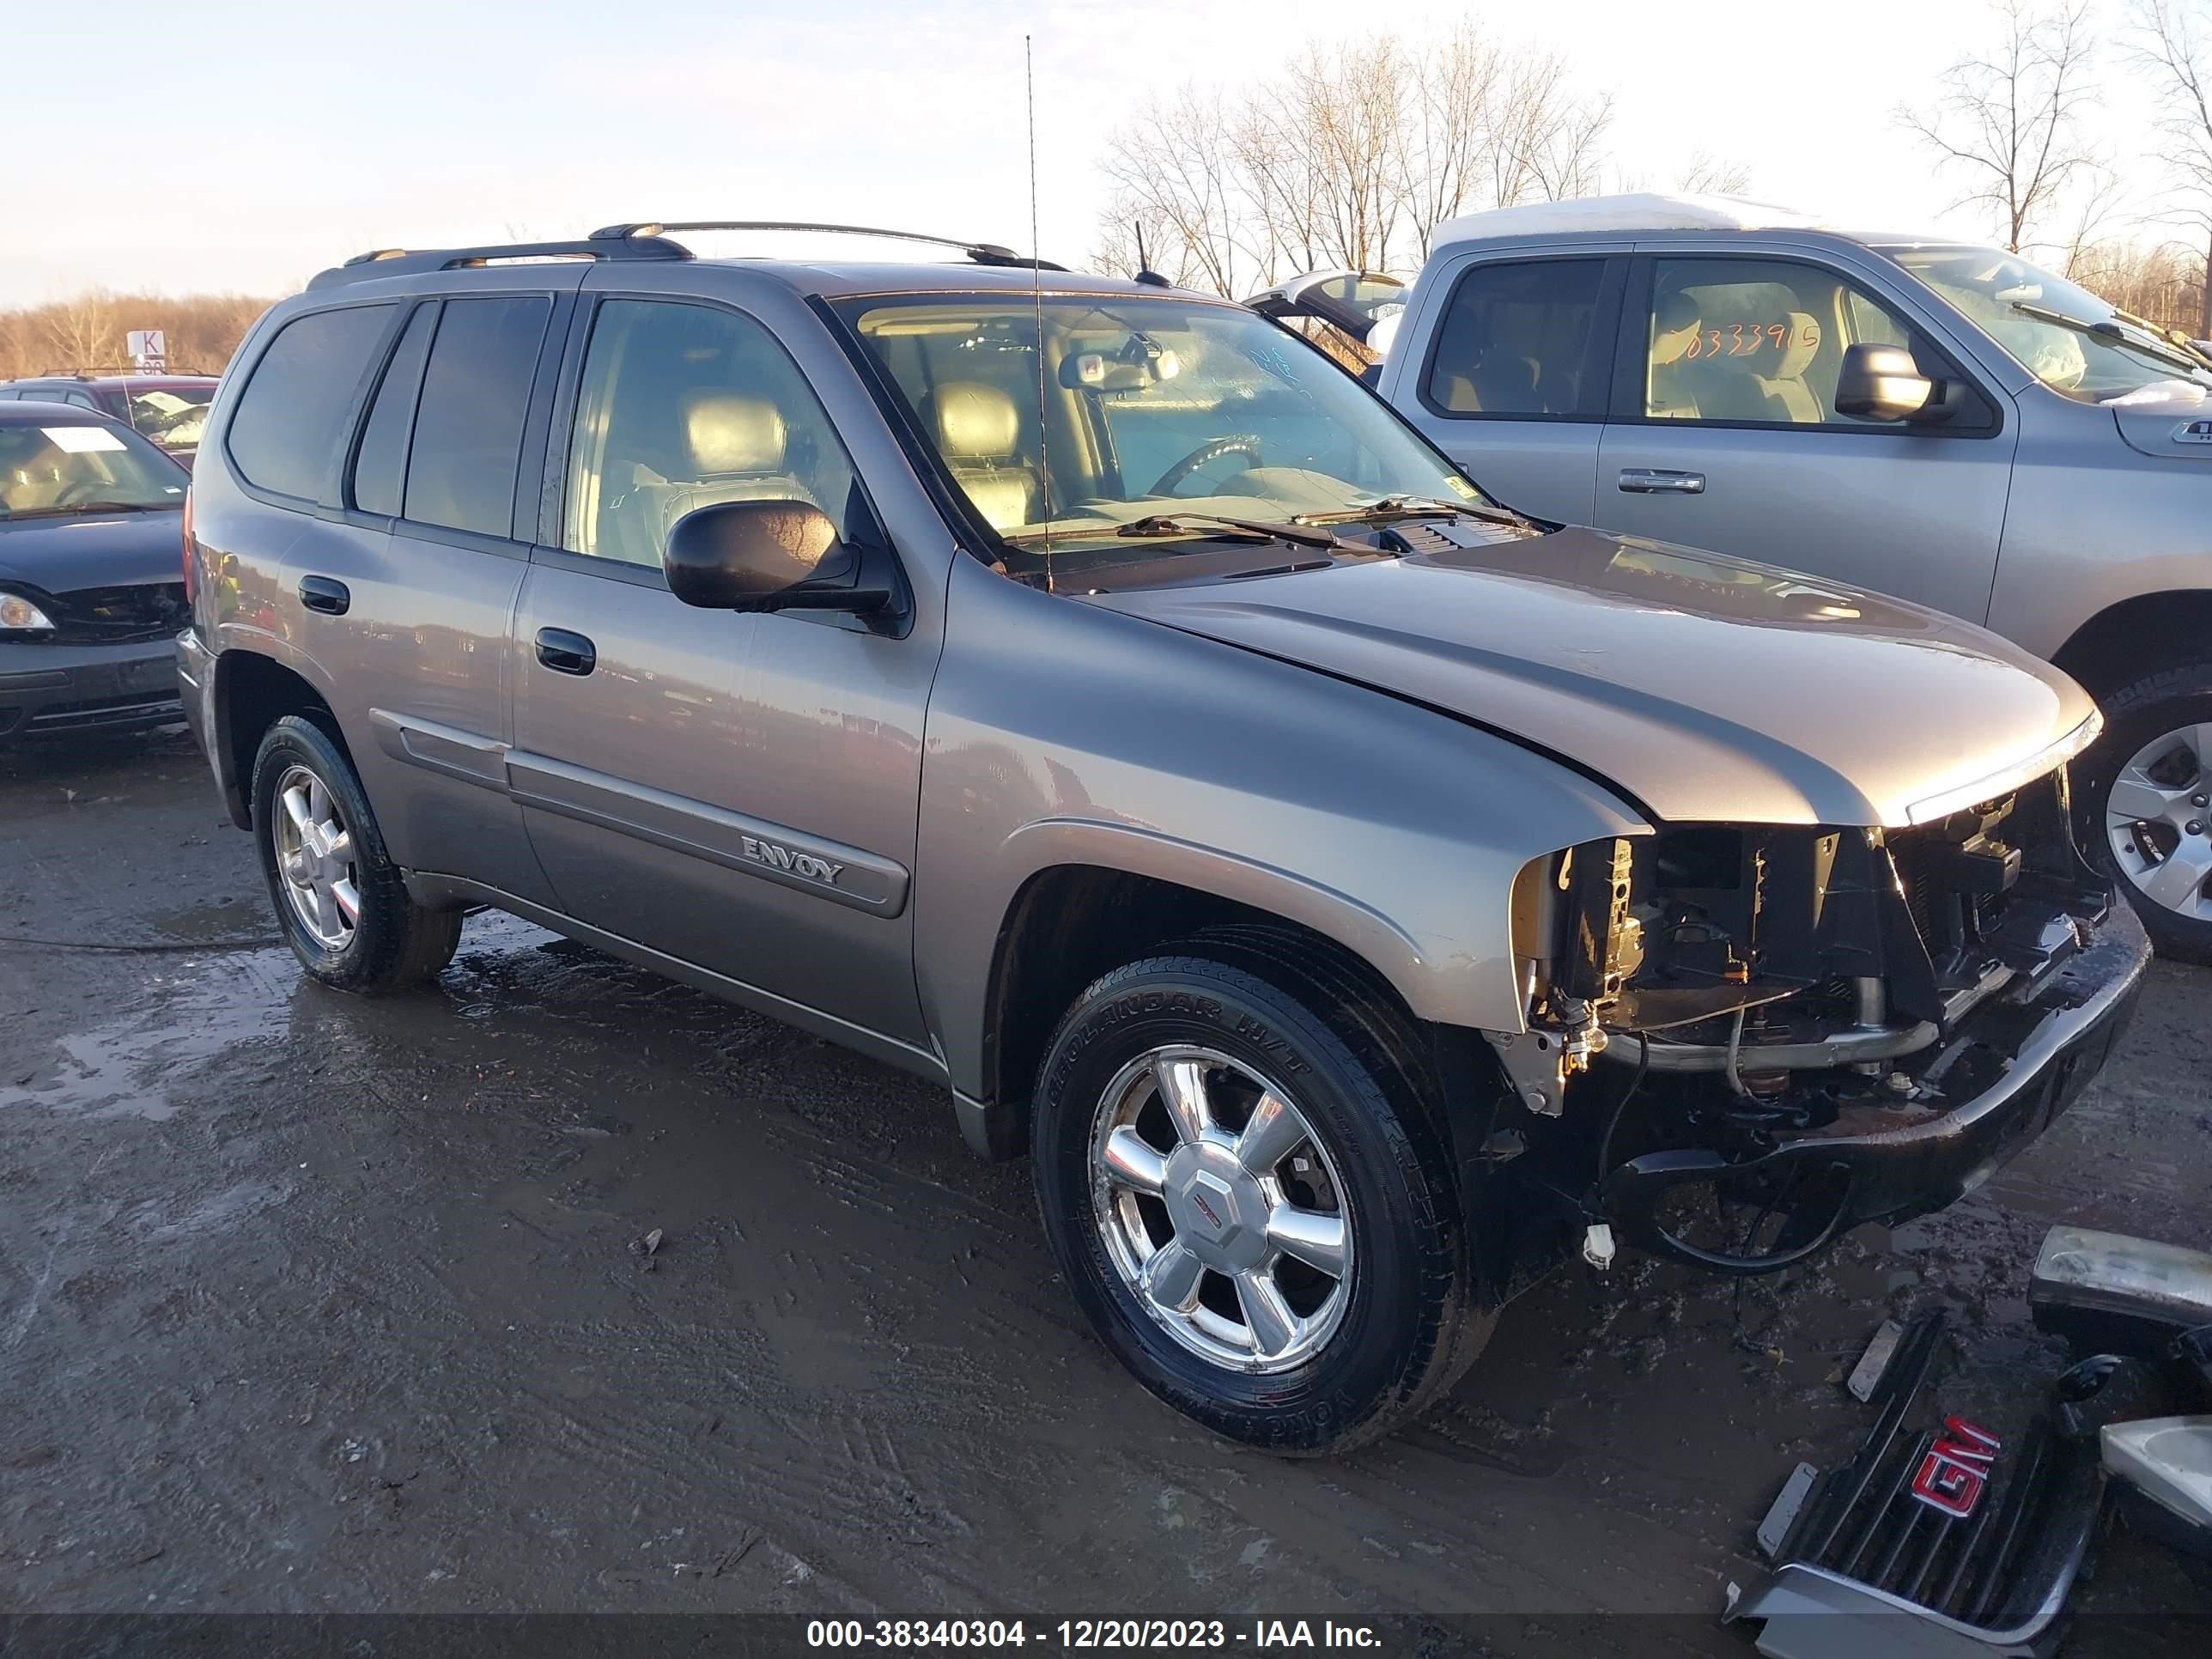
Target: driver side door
(735, 793)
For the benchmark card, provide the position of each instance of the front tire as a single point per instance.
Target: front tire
(1251, 1204)
(338, 896)
(2146, 806)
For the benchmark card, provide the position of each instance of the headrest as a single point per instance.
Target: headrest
(973, 422)
(1803, 345)
(729, 432)
(1674, 325)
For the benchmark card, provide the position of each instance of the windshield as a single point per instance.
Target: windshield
(171, 415)
(1154, 411)
(48, 471)
(2066, 337)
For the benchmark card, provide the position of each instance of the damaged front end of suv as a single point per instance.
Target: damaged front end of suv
(1742, 1041)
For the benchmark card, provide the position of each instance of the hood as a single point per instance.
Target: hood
(116, 549)
(1707, 689)
(2171, 420)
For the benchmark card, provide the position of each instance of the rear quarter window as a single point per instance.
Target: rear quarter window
(284, 435)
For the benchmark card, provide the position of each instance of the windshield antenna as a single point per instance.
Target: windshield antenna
(1036, 291)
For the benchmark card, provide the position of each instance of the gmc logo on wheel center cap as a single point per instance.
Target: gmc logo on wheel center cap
(1197, 1202)
(1955, 1468)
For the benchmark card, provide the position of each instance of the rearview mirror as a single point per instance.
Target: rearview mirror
(768, 555)
(1883, 383)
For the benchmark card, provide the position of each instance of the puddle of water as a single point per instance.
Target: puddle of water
(190, 1011)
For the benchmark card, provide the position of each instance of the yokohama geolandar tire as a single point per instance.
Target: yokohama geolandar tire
(2144, 799)
(337, 896)
(1250, 1198)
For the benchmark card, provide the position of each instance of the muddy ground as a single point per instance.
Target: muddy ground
(310, 1302)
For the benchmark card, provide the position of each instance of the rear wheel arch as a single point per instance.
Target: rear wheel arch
(253, 692)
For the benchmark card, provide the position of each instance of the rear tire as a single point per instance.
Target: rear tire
(339, 898)
(2157, 831)
(1376, 1285)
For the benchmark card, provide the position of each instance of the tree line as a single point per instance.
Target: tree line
(1353, 153)
(86, 332)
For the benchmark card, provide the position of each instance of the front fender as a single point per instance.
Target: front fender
(1062, 734)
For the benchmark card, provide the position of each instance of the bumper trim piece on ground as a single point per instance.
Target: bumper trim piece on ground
(1871, 1565)
(2058, 1036)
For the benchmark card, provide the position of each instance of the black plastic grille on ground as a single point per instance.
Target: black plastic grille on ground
(1864, 1521)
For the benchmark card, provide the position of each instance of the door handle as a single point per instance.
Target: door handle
(1661, 481)
(565, 652)
(326, 594)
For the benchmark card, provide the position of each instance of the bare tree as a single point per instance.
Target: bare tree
(2011, 120)
(1447, 137)
(1352, 156)
(83, 332)
(1706, 175)
(2174, 42)
(1174, 172)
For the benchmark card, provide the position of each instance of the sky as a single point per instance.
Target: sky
(242, 145)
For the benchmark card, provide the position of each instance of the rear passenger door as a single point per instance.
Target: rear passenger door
(1513, 365)
(456, 406)
(1725, 435)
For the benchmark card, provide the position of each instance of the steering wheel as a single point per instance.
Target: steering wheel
(1236, 443)
(84, 490)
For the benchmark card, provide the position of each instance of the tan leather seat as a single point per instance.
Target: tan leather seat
(1667, 395)
(734, 447)
(1788, 396)
(979, 433)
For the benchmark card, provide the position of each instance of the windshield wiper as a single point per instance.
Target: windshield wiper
(1393, 509)
(75, 507)
(2111, 333)
(1178, 524)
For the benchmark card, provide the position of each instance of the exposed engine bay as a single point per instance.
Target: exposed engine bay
(1743, 1040)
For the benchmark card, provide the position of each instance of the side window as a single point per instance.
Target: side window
(1516, 342)
(683, 406)
(468, 425)
(1759, 340)
(285, 433)
(380, 466)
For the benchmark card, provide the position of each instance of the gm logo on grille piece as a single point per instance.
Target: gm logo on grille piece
(1955, 1468)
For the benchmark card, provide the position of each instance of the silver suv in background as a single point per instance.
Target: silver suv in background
(1092, 699)
(1946, 422)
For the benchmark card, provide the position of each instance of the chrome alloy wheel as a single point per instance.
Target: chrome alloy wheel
(314, 855)
(2158, 818)
(1221, 1210)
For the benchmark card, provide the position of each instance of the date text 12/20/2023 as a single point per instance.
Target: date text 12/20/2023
(1083, 1634)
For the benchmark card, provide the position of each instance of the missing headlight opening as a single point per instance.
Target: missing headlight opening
(1742, 1040)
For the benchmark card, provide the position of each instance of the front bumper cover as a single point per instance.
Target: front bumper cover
(2057, 1036)
(51, 690)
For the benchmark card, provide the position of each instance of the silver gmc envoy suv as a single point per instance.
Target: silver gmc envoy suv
(1356, 895)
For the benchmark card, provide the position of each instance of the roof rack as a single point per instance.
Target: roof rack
(982, 253)
(403, 262)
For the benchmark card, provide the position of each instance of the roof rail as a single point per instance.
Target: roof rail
(405, 262)
(983, 253)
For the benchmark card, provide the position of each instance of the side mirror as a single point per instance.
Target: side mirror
(769, 556)
(1883, 383)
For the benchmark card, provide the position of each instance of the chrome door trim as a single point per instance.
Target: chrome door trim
(790, 857)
